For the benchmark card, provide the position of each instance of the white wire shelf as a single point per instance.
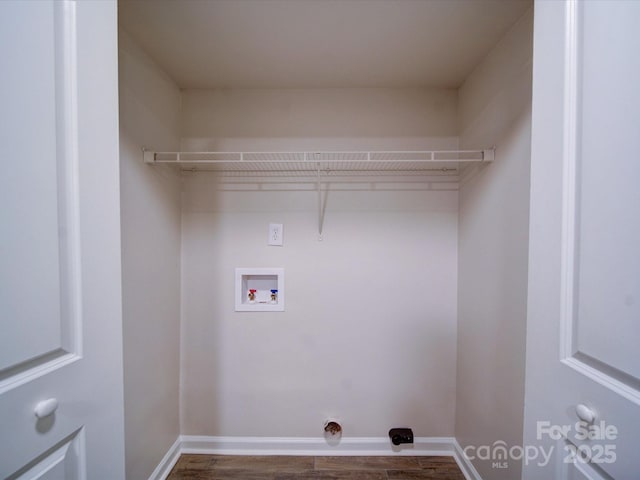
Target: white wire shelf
(320, 165)
(315, 163)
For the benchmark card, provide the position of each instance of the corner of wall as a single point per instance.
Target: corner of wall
(150, 226)
(494, 109)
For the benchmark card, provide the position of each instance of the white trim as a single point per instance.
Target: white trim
(468, 470)
(167, 463)
(314, 446)
(68, 165)
(603, 379)
(569, 166)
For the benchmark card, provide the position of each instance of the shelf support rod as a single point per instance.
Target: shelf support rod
(319, 188)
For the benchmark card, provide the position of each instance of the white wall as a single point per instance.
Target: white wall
(369, 331)
(495, 108)
(371, 328)
(150, 202)
(316, 119)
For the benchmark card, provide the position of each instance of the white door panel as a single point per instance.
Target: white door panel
(607, 284)
(584, 282)
(30, 301)
(578, 470)
(64, 461)
(60, 307)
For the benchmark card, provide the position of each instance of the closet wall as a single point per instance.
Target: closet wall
(330, 119)
(150, 203)
(369, 331)
(495, 108)
(410, 311)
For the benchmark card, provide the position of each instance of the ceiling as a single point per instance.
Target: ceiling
(318, 43)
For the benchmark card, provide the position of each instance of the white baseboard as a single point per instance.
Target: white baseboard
(469, 471)
(169, 460)
(355, 446)
(314, 446)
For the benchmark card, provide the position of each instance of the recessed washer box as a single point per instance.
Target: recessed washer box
(259, 289)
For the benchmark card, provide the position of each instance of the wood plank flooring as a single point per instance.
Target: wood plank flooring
(219, 467)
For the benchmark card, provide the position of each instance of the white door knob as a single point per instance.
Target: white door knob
(585, 413)
(46, 407)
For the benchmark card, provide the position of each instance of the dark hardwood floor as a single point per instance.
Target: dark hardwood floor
(219, 467)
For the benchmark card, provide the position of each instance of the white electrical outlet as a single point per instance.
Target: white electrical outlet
(275, 234)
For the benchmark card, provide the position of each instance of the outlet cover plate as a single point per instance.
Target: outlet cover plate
(275, 234)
